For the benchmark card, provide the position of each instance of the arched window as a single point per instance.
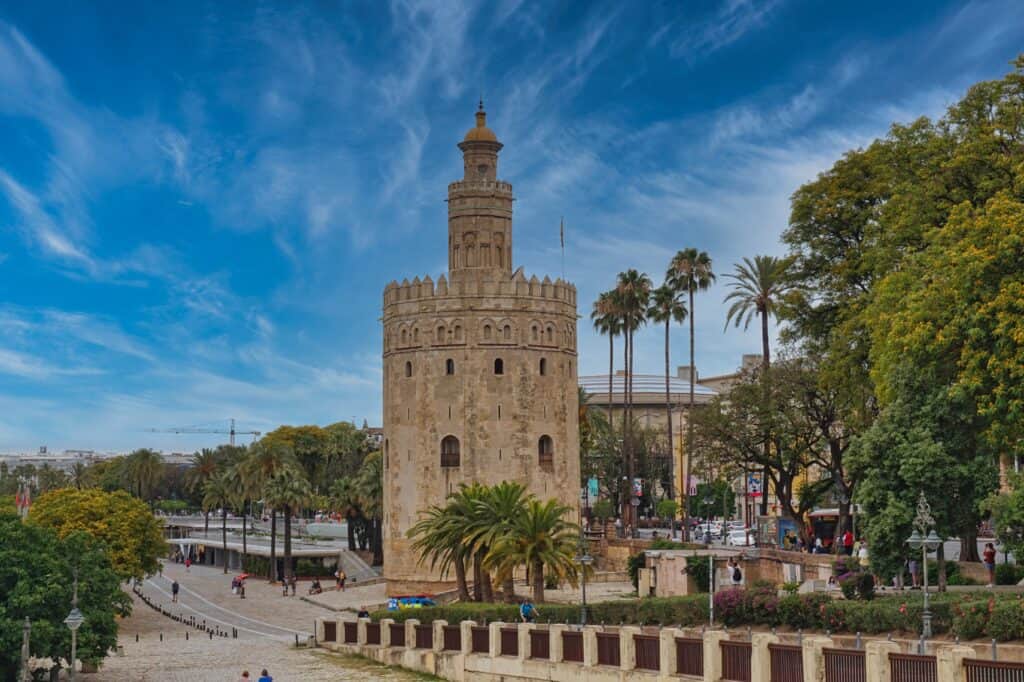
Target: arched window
(543, 366)
(458, 332)
(416, 335)
(499, 366)
(440, 333)
(533, 333)
(450, 451)
(545, 451)
(550, 335)
(507, 333)
(403, 337)
(408, 369)
(449, 366)
(487, 332)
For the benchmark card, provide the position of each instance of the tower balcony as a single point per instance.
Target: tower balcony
(480, 187)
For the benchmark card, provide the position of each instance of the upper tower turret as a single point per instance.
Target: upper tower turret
(479, 207)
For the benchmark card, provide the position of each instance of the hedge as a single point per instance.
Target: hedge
(969, 616)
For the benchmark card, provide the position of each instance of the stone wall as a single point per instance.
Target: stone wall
(522, 651)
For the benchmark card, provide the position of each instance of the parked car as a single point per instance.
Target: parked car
(703, 528)
(740, 538)
(736, 524)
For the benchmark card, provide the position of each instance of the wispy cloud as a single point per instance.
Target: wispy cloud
(692, 39)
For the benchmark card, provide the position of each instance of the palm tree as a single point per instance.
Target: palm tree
(690, 271)
(438, 538)
(143, 470)
(541, 539)
(758, 288)
(369, 482)
(242, 494)
(607, 321)
(203, 467)
(260, 464)
(491, 518)
(288, 489)
(78, 475)
(344, 498)
(217, 494)
(632, 294)
(666, 307)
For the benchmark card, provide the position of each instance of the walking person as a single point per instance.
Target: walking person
(174, 591)
(265, 677)
(245, 676)
(528, 612)
(912, 568)
(340, 575)
(988, 557)
(188, 565)
(848, 543)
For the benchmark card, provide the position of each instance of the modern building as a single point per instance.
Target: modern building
(479, 371)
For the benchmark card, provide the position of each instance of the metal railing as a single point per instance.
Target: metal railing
(786, 662)
(330, 631)
(397, 634)
(608, 649)
(480, 640)
(844, 665)
(451, 638)
(424, 636)
(509, 642)
(540, 644)
(648, 652)
(735, 661)
(351, 633)
(373, 633)
(993, 671)
(913, 668)
(689, 656)
(572, 646)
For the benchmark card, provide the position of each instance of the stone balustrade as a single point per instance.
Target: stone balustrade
(527, 651)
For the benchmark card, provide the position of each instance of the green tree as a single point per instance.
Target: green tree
(131, 535)
(606, 319)
(264, 459)
(36, 581)
(370, 484)
(437, 538)
(540, 539)
(666, 308)
(287, 490)
(143, 471)
(204, 465)
(1007, 509)
(218, 493)
(689, 272)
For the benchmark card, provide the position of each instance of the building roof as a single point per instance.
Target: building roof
(646, 388)
(480, 132)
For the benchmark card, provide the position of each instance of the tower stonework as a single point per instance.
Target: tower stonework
(479, 371)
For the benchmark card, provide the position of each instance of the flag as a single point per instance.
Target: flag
(561, 232)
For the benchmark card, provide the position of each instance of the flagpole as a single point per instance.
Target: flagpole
(561, 239)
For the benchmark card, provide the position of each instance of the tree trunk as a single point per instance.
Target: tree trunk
(224, 535)
(245, 546)
(288, 572)
(206, 523)
(668, 418)
(766, 364)
(460, 579)
(486, 589)
(478, 579)
(844, 518)
(624, 502)
(378, 543)
(537, 575)
(273, 546)
(689, 431)
(611, 377)
(509, 588)
(350, 526)
(631, 459)
(969, 544)
(940, 559)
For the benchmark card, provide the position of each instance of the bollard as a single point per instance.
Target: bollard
(800, 636)
(211, 636)
(136, 638)
(857, 643)
(994, 656)
(296, 641)
(920, 646)
(161, 636)
(186, 635)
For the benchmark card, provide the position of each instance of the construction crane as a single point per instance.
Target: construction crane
(193, 429)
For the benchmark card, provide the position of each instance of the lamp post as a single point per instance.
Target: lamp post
(925, 539)
(708, 501)
(584, 559)
(74, 621)
(26, 632)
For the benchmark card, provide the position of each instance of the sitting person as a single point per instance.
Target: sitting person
(315, 588)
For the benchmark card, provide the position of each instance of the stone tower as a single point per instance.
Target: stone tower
(479, 371)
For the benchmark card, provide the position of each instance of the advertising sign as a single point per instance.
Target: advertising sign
(592, 488)
(754, 484)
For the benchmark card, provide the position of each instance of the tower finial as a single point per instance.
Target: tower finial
(481, 100)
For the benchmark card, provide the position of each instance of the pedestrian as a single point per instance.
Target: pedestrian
(735, 574)
(292, 582)
(188, 565)
(912, 567)
(527, 611)
(989, 558)
(174, 591)
(241, 589)
(818, 547)
(341, 579)
(245, 676)
(862, 554)
(848, 543)
(362, 613)
(265, 677)
(618, 527)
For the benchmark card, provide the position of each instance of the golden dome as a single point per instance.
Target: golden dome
(480, 132)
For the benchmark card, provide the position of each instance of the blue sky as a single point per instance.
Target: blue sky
(199, 209)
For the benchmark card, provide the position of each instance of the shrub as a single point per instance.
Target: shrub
(700, 572)
(791, 588)
(603, 510)
(1008, 574)
(970, 618)
(732, 607)
(1007, 620)
(848, 585)
(803, 611)
(633, 566)
(866, 586)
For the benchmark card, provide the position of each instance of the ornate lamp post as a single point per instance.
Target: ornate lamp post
(584, 559)
(74, 621)
(26, 632)
(925, 539)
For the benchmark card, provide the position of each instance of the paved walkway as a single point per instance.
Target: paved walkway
(200, 659)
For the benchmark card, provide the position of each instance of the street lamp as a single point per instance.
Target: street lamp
(584, 559)
(925, 539)
(74, 621)
(708, 501)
